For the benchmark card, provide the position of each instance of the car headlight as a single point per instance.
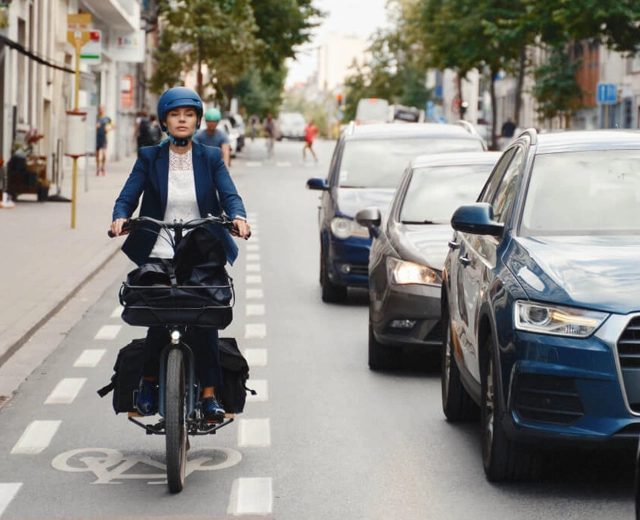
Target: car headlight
(404, 272)
(557, 320)
(345, 227)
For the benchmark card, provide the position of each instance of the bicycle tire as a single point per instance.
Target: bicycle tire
(175, 420)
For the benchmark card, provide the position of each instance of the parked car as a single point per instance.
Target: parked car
(408, 251)
(540, 301)
(367, 164)
(290, 125)
(373, 111)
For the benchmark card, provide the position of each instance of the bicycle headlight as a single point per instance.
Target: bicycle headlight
(404, 272)
(556, 320)
(343, 228)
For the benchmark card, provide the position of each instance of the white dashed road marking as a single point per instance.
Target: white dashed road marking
(253, 247)
(253, 279)
(108, 332)
(255, 331)
(89, 358)
(117, 312)
(253, 268)
(251, 496)
(254, 257)
(254, 294)
(253, 164)
(7, 492)
(66, 391)
(255, 309)
(254, 433)
(36, 437)
(256, 357)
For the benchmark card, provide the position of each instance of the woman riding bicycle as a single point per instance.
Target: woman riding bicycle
(179, 179)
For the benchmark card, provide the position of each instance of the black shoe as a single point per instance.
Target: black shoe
(211, 410)
(147, 397)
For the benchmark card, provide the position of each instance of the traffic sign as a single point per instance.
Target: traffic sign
(607, 94)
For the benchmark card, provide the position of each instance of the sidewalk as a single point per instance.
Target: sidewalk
(43, 262)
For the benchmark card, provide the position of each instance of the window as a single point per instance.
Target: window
(492, 184)
(502, 202)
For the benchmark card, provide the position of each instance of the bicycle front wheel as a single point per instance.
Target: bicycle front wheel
(175, 420)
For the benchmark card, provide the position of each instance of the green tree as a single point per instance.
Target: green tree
(556, 89)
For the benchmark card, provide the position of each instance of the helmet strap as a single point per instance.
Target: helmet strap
(183, 141)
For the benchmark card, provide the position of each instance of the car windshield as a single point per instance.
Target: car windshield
(434, 193)
(577, 193)
(379, 163)
(292, 119)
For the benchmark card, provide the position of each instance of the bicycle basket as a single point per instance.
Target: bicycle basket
(179, 305)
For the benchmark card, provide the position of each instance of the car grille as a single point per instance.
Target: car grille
(548, 399)
(629, 356)
(360, 270)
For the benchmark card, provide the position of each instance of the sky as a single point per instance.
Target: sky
(350, 17)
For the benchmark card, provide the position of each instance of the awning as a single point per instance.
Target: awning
(44, 61)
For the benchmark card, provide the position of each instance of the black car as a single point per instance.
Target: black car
(409, 248)
(366, 166)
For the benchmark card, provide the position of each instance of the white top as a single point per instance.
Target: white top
(182, 203)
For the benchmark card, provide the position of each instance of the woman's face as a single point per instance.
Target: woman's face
(181, 122)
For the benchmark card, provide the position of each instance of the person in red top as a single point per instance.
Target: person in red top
(310, 132)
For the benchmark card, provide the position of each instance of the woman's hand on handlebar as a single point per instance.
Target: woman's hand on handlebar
(116, 227)
(241, 228)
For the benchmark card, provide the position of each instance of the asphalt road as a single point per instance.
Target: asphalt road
(325, 438)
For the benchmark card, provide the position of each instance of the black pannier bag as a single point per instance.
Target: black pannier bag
(235, 372)
(127, 372)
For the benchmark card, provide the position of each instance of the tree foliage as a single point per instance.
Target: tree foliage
(242, 43)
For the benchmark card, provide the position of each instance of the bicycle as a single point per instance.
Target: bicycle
(178, 388)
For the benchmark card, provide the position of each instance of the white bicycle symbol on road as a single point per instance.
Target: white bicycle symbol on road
(109, 465)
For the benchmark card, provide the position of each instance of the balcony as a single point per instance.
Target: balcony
(117, 14)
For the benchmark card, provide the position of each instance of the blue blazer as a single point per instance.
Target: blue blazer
(215, 192)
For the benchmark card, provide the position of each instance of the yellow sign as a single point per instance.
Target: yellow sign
(78, 38)
(79, 21)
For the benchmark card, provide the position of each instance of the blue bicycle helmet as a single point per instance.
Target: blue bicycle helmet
(177, 97)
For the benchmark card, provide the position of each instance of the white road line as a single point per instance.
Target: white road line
(253, 278)
(117, 312)
(253, 247)
(251, 496)
(261, 386)
(255, 309)
(256, 357)
(254, 294)
(283, 164)
(253, 164)
(7, 492)
(255, 331)
(253, 257)
(108, 332)
(253, 268)
(36, 437)
(66, 391)
(89, 358)
(254, 433)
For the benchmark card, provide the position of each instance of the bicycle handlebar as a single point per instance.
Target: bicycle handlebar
(134, 222)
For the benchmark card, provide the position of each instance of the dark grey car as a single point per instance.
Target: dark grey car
(409, 248)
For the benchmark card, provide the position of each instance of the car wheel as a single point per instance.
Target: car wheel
(331, 293)
(502, 458)
(457, 404)
(381, 356)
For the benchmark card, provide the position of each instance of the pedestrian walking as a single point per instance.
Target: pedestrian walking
(253, 122)
(310, 132)
(104, 125)
(269, 128)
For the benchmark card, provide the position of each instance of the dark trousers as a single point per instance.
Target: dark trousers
(202, 341)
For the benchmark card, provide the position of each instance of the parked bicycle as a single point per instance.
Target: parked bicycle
(177, 307)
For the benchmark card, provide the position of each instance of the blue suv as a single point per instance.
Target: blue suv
(541, 299)
(367, 164)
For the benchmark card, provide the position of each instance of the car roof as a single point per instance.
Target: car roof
(400, 131)
(452, 159)
(585, 140)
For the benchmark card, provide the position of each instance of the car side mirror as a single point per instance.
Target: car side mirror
(476, 219)
(317, 184)
(371, 219)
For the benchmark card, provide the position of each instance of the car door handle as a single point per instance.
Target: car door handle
(453, 245)
(464, 260)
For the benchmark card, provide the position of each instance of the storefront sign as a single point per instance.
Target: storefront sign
(128, 47)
